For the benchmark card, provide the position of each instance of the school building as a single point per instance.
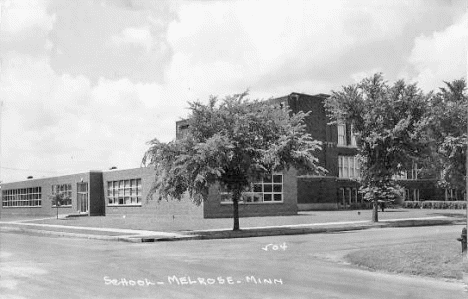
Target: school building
(123, 192)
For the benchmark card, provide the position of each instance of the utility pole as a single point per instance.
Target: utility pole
(1, 119)
(466, 175)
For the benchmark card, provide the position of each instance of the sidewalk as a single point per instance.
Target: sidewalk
(137, 236)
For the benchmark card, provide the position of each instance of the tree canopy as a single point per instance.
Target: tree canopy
(231, 142)
(446, 133)
(386, 120)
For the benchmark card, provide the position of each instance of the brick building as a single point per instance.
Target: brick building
(338, 189)
(122, 192)
(94, 193)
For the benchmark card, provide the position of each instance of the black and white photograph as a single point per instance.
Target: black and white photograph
(233, 149)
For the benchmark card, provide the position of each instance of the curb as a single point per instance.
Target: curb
(129, 239)
(57, 233)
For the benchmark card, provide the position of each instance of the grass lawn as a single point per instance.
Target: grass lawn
(435, 258)
(188, 222)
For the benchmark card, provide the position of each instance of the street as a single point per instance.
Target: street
(300, 266)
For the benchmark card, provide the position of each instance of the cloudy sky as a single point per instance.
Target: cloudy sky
(86, 84)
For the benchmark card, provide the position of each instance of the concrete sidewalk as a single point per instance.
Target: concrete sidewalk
(137, 236)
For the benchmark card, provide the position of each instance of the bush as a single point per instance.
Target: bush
(431, 204)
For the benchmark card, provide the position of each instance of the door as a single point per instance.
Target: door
(82, 197)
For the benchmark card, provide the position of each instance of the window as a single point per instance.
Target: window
(341, 135)
(345, 135)
(182, 129)
(124, 192)
(66, 190)
(341, 196)
(270, 189)
(451, 194)
(284, 105)
(412, 174)
(24, 197)
(348, 167)
(411, 194)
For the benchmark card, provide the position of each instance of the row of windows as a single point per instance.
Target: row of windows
(348, 196)
(124, 192)
(66, 190)
(411, 194)
(24, 197)
(270, 189)
(349, 168)
(412, 174)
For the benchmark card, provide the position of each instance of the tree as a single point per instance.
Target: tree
(230, 143)
(386, 120)
(446, 131)
(58, 199)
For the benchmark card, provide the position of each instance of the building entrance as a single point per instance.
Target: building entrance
(82, 197)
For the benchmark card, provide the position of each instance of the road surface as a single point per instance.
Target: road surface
(301, 266)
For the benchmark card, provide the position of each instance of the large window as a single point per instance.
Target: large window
(66, 190)
(411, 194)
(412, 174)
(124, 192)
(270, 189)
(348, 167)
(24, 197)
(451, 194)
(345, 135)
(348, 196)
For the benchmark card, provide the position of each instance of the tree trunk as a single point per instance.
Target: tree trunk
(235, 207)
(375, 211)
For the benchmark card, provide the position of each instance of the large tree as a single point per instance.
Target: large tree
(446, 131)
(386, 120)
(231, 142)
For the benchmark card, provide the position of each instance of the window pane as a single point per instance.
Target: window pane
(267, 188)
(257, 188)
(267, 197)
(277, 178)
(278, 197)
(277, 188)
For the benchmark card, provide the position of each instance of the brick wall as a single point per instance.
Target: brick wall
(214, 208)
(150, 206)
(46, 192)
(316, 193)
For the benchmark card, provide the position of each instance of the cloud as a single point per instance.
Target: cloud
(440, 56)
(138, 36)
(275, 47)
(25, 26)
(114, 40)
(58, 123)
(20, 15)
(87, 83)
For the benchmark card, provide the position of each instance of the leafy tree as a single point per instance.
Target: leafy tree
(446, 132)
(230, 142)
(58, 199)
(386, 120)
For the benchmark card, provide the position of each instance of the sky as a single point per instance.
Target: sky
(86, 84)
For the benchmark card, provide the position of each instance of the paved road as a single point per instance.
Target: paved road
(45, 267)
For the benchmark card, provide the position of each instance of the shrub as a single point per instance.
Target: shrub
(433, 204)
